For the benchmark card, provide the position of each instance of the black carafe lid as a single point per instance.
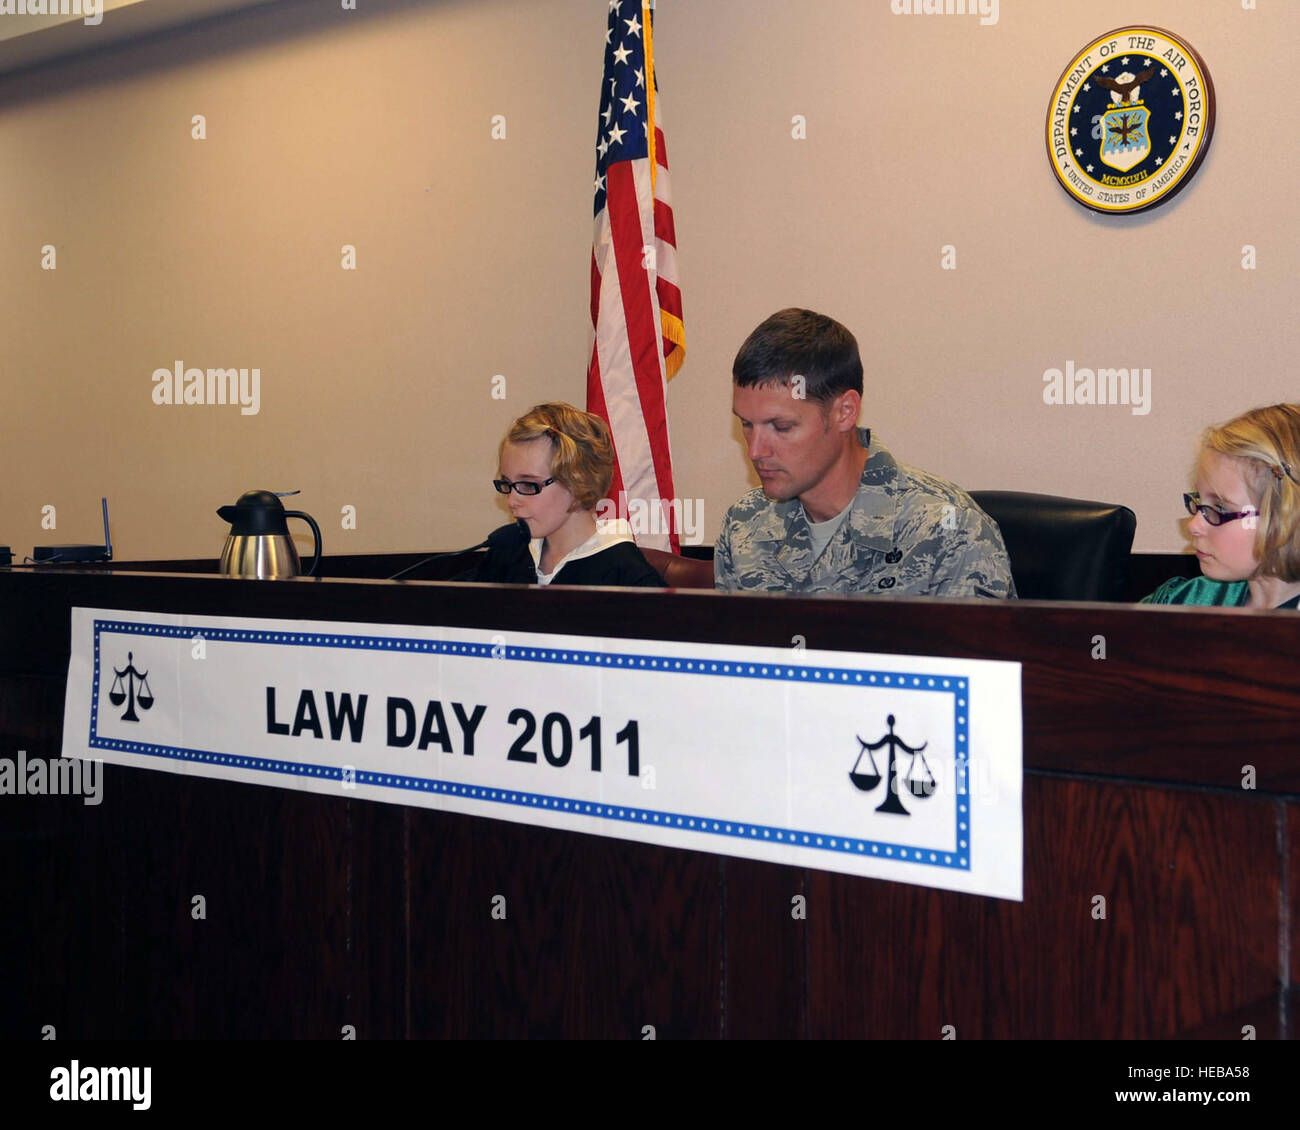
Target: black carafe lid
(258, 512)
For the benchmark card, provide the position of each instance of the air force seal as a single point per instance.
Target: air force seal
(1130, 120)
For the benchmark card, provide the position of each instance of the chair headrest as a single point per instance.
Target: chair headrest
(1063, 548)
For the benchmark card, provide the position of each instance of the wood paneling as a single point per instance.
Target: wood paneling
(271, 958)
(1223, 675)
(1290, 1012)
(1189, 881)
(766, 950)
(599, 938)
(326, 911)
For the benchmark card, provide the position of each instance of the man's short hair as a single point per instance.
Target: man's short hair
(801, 343)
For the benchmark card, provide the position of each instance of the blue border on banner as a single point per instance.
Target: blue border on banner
(958, 860)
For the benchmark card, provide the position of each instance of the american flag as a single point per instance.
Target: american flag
(636, 306)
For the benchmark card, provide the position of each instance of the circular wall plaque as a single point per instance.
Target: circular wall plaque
(1130, 120)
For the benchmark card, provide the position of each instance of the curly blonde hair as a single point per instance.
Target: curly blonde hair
(582, 459)
(1267, 443)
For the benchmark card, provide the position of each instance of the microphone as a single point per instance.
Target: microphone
(514, 535)
(503, 538)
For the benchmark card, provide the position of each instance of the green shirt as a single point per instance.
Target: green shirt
(1208, 593)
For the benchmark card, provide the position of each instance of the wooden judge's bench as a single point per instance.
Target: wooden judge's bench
(323, 912)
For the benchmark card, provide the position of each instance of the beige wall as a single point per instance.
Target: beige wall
(328, 127)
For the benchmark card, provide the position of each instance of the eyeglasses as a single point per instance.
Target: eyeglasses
(505, 486)
(1212, 515)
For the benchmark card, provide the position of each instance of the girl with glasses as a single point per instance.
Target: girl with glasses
(1245, 524)
(556, 464)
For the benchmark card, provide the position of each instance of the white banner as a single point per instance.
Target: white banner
(899, 767)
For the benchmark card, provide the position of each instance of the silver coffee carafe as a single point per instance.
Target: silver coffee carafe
(259, 544)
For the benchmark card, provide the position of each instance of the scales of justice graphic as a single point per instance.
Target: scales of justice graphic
(922, 788)
(143, 697)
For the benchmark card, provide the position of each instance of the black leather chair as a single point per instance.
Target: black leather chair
(1063, 548)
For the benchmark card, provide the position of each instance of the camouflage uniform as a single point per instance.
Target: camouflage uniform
(909, 533)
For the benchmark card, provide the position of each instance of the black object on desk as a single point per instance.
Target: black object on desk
(64, 554)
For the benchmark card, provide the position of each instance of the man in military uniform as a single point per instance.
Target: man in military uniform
(836, 513)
